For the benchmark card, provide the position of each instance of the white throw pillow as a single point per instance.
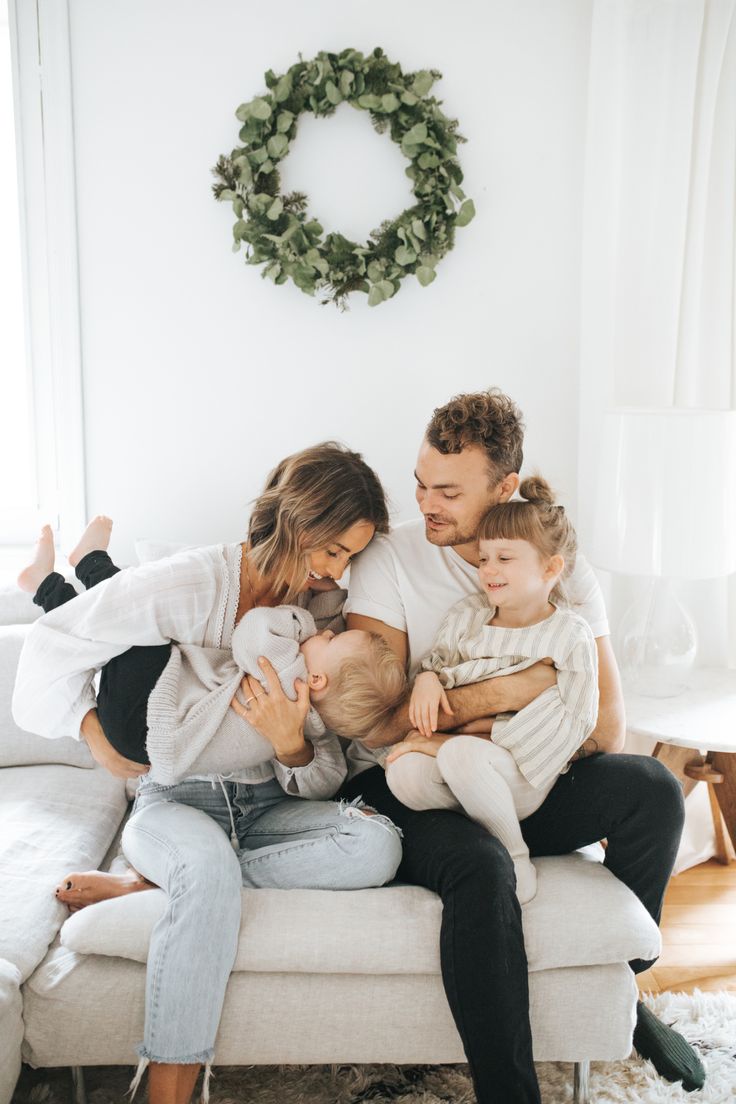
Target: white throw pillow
(19, 748)
(16, 607)
(581, 916)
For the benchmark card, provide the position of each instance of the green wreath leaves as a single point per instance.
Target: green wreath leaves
(277, 229)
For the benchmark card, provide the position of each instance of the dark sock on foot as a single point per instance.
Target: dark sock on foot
(667, 1050)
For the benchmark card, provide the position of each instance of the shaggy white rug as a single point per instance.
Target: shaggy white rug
(707, 1019)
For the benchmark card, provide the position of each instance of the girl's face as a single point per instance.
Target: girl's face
(330, 563)
(513, 573)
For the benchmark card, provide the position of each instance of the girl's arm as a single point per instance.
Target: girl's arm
(151, 604)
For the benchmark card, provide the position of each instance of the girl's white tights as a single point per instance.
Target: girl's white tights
(479, 778)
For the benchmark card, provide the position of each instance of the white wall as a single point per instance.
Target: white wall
(198, 375)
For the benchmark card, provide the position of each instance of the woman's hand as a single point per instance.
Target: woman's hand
(427, 696)
(279, 720)
(104, 753)
(415, 741)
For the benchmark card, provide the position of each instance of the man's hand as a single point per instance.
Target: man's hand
(590, 747)
(415, 741)
(104, 753)
(278, 719)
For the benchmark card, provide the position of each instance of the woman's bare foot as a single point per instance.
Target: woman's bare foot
(78, 890)
(32, 576)
(95, 538)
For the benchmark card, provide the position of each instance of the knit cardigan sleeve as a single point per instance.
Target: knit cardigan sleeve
(277, 634)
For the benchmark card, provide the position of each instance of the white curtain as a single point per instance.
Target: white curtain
(658, 311)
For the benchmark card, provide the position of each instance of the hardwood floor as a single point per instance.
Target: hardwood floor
(698, 932)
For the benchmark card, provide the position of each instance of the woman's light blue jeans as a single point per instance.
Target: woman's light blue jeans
(182, 838)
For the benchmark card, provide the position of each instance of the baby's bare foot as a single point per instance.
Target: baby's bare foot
(32, 576)
(95, 538)
(78, 890)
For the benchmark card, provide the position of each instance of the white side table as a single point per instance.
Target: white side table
(702, 718)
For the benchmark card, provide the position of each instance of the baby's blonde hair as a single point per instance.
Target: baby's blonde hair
(536, 520)
(365, 691)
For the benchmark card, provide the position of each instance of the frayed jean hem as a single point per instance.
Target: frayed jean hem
(146, 1058)
(187, 1060)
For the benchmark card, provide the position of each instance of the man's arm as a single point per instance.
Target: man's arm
(397, 640)
(609, 733)
(469, 703)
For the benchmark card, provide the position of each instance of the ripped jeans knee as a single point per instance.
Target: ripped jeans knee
(377, 841)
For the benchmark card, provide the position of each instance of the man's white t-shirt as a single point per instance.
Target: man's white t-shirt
(410, 584)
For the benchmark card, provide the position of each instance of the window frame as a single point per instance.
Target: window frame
(42, 82)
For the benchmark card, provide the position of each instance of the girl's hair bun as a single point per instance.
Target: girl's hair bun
(537, 490)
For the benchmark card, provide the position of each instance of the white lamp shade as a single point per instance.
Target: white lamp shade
(666, 494)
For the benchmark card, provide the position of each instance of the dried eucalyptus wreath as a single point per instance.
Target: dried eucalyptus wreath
(277, 229)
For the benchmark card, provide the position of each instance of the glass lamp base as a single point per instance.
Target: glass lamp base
(657, 644)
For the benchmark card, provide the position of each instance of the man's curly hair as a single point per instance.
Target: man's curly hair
(489, 419)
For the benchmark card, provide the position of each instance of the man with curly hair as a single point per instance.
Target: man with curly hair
(401, 587)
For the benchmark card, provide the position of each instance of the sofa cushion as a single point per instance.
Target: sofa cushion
(19, 748)
(53, 820)
(11, 1029)
(581, 916)
(17, 607)
(89, 1010)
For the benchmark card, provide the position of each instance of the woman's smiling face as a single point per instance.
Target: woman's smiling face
(330, 563)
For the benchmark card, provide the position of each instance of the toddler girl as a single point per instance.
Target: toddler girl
(526, 550)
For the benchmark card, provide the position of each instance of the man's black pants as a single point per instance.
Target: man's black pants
(632, 801)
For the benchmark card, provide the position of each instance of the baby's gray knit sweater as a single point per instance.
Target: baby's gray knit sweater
(192, 731)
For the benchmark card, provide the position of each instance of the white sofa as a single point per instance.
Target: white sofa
(365, 964)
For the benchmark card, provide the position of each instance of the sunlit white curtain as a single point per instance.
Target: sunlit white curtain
(659, 243)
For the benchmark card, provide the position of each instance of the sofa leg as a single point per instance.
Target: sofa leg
(581, 1088)
(79, 1093)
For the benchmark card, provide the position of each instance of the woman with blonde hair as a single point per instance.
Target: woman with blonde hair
(320, 507)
